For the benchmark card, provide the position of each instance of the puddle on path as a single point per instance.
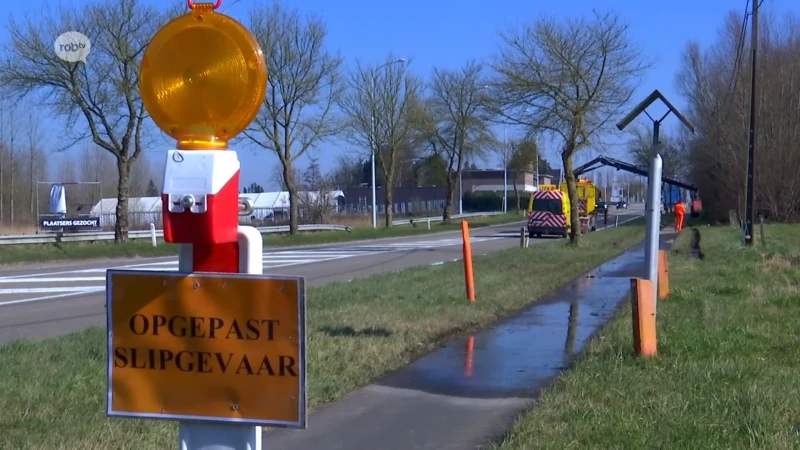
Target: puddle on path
(521, 354)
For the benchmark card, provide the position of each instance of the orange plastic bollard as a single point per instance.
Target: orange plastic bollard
(663, 275)
(644, 317)
(468, 361)
(468, 262)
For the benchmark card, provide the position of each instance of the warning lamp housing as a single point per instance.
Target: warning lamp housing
(200, 198)
(203, 79)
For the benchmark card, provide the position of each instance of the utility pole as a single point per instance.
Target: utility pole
(748, 209)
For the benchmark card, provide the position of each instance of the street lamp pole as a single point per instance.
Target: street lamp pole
(372, 164)
(374, 139)
(505, 168)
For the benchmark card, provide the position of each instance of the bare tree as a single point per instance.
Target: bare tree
(522, 159)
(672, 153)
(4, 160)
(347, 172)
(303, 87)
(715, 81)
(569, 80)
(279, 174)
(102, 93)
(458, 122)
(9, 165)
(36, 161)
(69, 170)
(98, 165)
(317, 201)
(141, 174)
(380, 106)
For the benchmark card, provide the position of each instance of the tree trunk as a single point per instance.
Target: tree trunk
(572, 191)
(388, 196)
(388, 200)
(516, 191)
(294, 207)
(448, 202)
(122, 213)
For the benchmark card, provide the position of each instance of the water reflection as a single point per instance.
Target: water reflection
(516, 357)
(569, 347)
(468, 356)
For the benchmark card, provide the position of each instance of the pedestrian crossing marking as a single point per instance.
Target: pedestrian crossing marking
(19, 289)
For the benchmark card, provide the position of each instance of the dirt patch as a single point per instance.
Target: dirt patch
(771, 263)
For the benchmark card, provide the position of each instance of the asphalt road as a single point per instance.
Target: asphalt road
(45, 301)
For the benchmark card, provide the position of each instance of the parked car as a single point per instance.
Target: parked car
(622, 204)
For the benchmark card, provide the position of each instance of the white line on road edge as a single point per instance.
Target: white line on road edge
(625, 221)
(49, 297)
(52, 280)
(45, 290)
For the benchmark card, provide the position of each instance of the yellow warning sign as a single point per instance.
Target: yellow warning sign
(207, 346)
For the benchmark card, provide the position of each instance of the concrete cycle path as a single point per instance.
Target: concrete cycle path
(467, 394)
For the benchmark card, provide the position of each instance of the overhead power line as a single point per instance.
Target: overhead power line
(734, 78)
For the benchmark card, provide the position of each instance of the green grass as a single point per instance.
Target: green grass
(11, 254)
(53, 391)
(727, 371)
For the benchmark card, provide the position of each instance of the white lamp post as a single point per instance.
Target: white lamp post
(505, 168)
(374, 134)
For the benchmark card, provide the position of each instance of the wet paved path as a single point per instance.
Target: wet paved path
(467, 394)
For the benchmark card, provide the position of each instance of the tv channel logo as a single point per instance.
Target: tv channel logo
(73, 46)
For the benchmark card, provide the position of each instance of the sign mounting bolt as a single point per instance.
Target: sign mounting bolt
(187, 201)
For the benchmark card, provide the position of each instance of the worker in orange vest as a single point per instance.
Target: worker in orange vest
(680, 211)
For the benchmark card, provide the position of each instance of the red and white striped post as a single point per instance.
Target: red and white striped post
(201, 213)
(200, 194)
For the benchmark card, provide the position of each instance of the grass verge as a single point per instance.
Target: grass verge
(54, 390)
(726, 376)
(143, 248)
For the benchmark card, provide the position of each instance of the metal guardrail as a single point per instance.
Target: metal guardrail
(52, 238)
(418, 220)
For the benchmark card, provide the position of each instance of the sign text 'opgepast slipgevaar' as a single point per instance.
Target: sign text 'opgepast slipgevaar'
(200, 361)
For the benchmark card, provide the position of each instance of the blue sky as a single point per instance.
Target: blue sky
(446, 33)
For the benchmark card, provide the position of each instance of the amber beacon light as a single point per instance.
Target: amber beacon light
(203, 78)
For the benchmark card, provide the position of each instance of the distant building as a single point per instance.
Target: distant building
(492, 180)
(266, 206)
(405, 199)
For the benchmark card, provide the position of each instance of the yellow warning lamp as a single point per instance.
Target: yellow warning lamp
(203, 78)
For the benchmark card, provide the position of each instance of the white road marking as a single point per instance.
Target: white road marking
(271, 260)
(53, 280)
(291, 263)
(50, 297)
(45, 290)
